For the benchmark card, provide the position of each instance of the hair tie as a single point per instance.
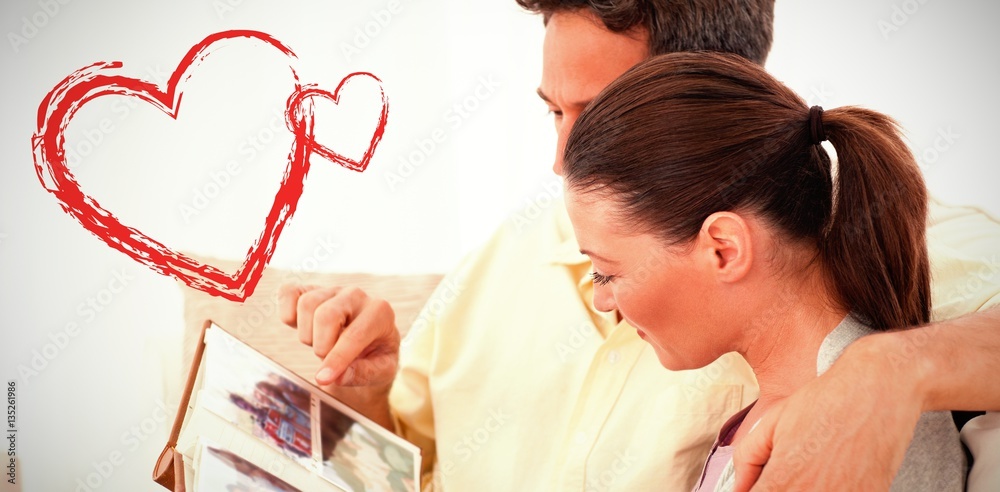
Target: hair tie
(816, 131)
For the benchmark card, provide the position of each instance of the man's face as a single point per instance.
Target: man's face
(580, 57)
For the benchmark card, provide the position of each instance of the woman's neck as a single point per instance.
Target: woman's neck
(784, 338)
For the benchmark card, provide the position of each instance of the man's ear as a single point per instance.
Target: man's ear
(728, 246)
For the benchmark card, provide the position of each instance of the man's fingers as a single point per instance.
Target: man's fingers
(332, 316)
(746, 477)
(288, 300)
(348, 347)
(305, 311)
(752, 454)
(371, 370)
(371, 333)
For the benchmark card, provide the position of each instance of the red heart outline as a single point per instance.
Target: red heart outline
(296, 121)
(58, 108)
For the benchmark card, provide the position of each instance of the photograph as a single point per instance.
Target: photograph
(247, 390)
(221, 470)
(362, 459)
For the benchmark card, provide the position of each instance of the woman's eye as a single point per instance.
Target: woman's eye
(600, 279)
(556, 113)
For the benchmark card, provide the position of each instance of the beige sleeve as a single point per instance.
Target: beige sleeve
(964, 248)
(411, 399)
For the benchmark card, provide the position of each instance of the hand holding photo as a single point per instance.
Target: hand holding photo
(262, 412)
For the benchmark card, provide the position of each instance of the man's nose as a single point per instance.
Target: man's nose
(562, 134)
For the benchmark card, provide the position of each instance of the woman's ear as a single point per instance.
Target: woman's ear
(727, 245)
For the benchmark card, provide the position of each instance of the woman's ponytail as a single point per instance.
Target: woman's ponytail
(874, 244)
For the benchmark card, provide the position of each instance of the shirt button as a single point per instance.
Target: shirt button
(580, 438)
(613, 357)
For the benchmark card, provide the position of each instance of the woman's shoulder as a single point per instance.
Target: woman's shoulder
(935, 459)
(847, 332)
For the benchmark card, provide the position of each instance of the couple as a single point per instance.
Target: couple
(708, 188)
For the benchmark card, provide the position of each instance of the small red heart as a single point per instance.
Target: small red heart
(296, 120)
(58, 108)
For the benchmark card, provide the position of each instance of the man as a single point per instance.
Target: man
(511, 380)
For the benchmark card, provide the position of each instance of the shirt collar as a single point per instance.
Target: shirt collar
(567, 251)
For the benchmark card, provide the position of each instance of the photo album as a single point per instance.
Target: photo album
(249, 424)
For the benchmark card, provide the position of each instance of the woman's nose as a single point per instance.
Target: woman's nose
(604, 299)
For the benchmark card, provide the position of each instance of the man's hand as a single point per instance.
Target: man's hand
(356, 337)
(847, 430)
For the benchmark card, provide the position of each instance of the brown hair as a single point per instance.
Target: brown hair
(742, 27)
(682, 136)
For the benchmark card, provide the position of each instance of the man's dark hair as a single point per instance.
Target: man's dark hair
(741, 27)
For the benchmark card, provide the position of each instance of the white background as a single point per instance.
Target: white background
(935, 71)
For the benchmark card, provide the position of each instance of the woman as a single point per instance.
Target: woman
(706, 167)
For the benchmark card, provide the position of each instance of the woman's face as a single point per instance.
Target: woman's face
(668, 293)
